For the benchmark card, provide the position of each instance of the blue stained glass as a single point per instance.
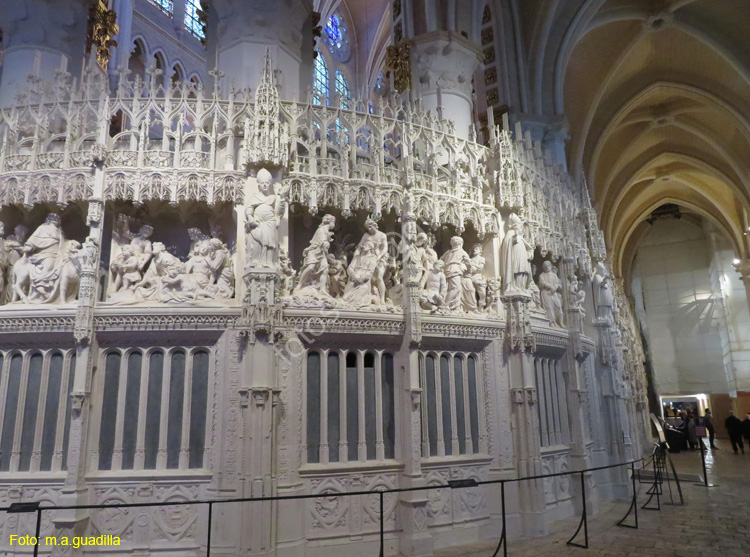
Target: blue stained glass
(163, 5)
(192, 22)
(335, 37)
(333, 29)
(342, 88)
(320, 81)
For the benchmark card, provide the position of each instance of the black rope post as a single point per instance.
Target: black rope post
(208, 537)
(584, 518)
(382, 531)
(585, 515)
(38, 530)
(633, 502)
(503, 540)
(635, 494)
(703, 461)
(657, 484)
(676, 480)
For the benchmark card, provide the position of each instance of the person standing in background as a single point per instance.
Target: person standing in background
(734, 428)
(746, 428)
(708, 421)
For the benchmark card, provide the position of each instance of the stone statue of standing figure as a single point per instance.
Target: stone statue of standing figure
(603, 296)
(367, 268)
(550, 288)
(262, 216)
(515, 254)
(457, 263)
(313, 276)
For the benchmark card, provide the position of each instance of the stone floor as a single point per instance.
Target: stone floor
(714, 521)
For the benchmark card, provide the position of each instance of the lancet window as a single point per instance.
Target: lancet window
(321, 88)
(554, 429)
(35, 409)
(152, 406)
(451, 405)
(350, 406)
(192, 21)
(342, 88)
(165, 6)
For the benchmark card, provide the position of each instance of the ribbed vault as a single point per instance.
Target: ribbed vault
(657, 98)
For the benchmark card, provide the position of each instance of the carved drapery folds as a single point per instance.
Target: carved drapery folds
(603, 293)
(44, 268)
(515, 255)
(263, 212)
(551, 295)
(145, 271)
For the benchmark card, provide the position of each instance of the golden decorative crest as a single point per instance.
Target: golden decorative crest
(102, 27)
(398, 61)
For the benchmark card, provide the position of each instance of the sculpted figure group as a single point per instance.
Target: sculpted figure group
(143, 271)
(44, 268)
(360, 283)
(374, 278)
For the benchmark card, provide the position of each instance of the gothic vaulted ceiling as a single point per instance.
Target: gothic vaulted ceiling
(657, 99)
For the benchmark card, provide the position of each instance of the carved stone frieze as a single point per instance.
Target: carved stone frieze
(165, 321)
(317, 325)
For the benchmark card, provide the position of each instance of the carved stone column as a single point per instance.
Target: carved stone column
(75, 491)
(575, 356)
(258, 397)
(414, 540)
(291, 515)
(261, 329)
(40, 41)
(607, 372)
(240, 31)
(521, 348)
(443, 66)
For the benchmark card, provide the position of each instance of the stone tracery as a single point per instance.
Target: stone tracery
(391, 274)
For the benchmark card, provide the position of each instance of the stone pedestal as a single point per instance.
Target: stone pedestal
(443, 66)
(240, 31)
(40, 40)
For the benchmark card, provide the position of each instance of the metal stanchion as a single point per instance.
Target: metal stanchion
(633, 503)
(208, 540)
(703, 461)
(655, 489)
(584, 519)
(503, 539)
(382, 531)
(38, 530)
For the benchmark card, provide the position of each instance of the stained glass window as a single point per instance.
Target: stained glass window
(380, 85)
(333, 30)
(320, 81)
(336, 38)
(192, 22)
(163, 5)
(342, 88)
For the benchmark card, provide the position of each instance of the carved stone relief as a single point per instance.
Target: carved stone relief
(145, 272)
(44, 268)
